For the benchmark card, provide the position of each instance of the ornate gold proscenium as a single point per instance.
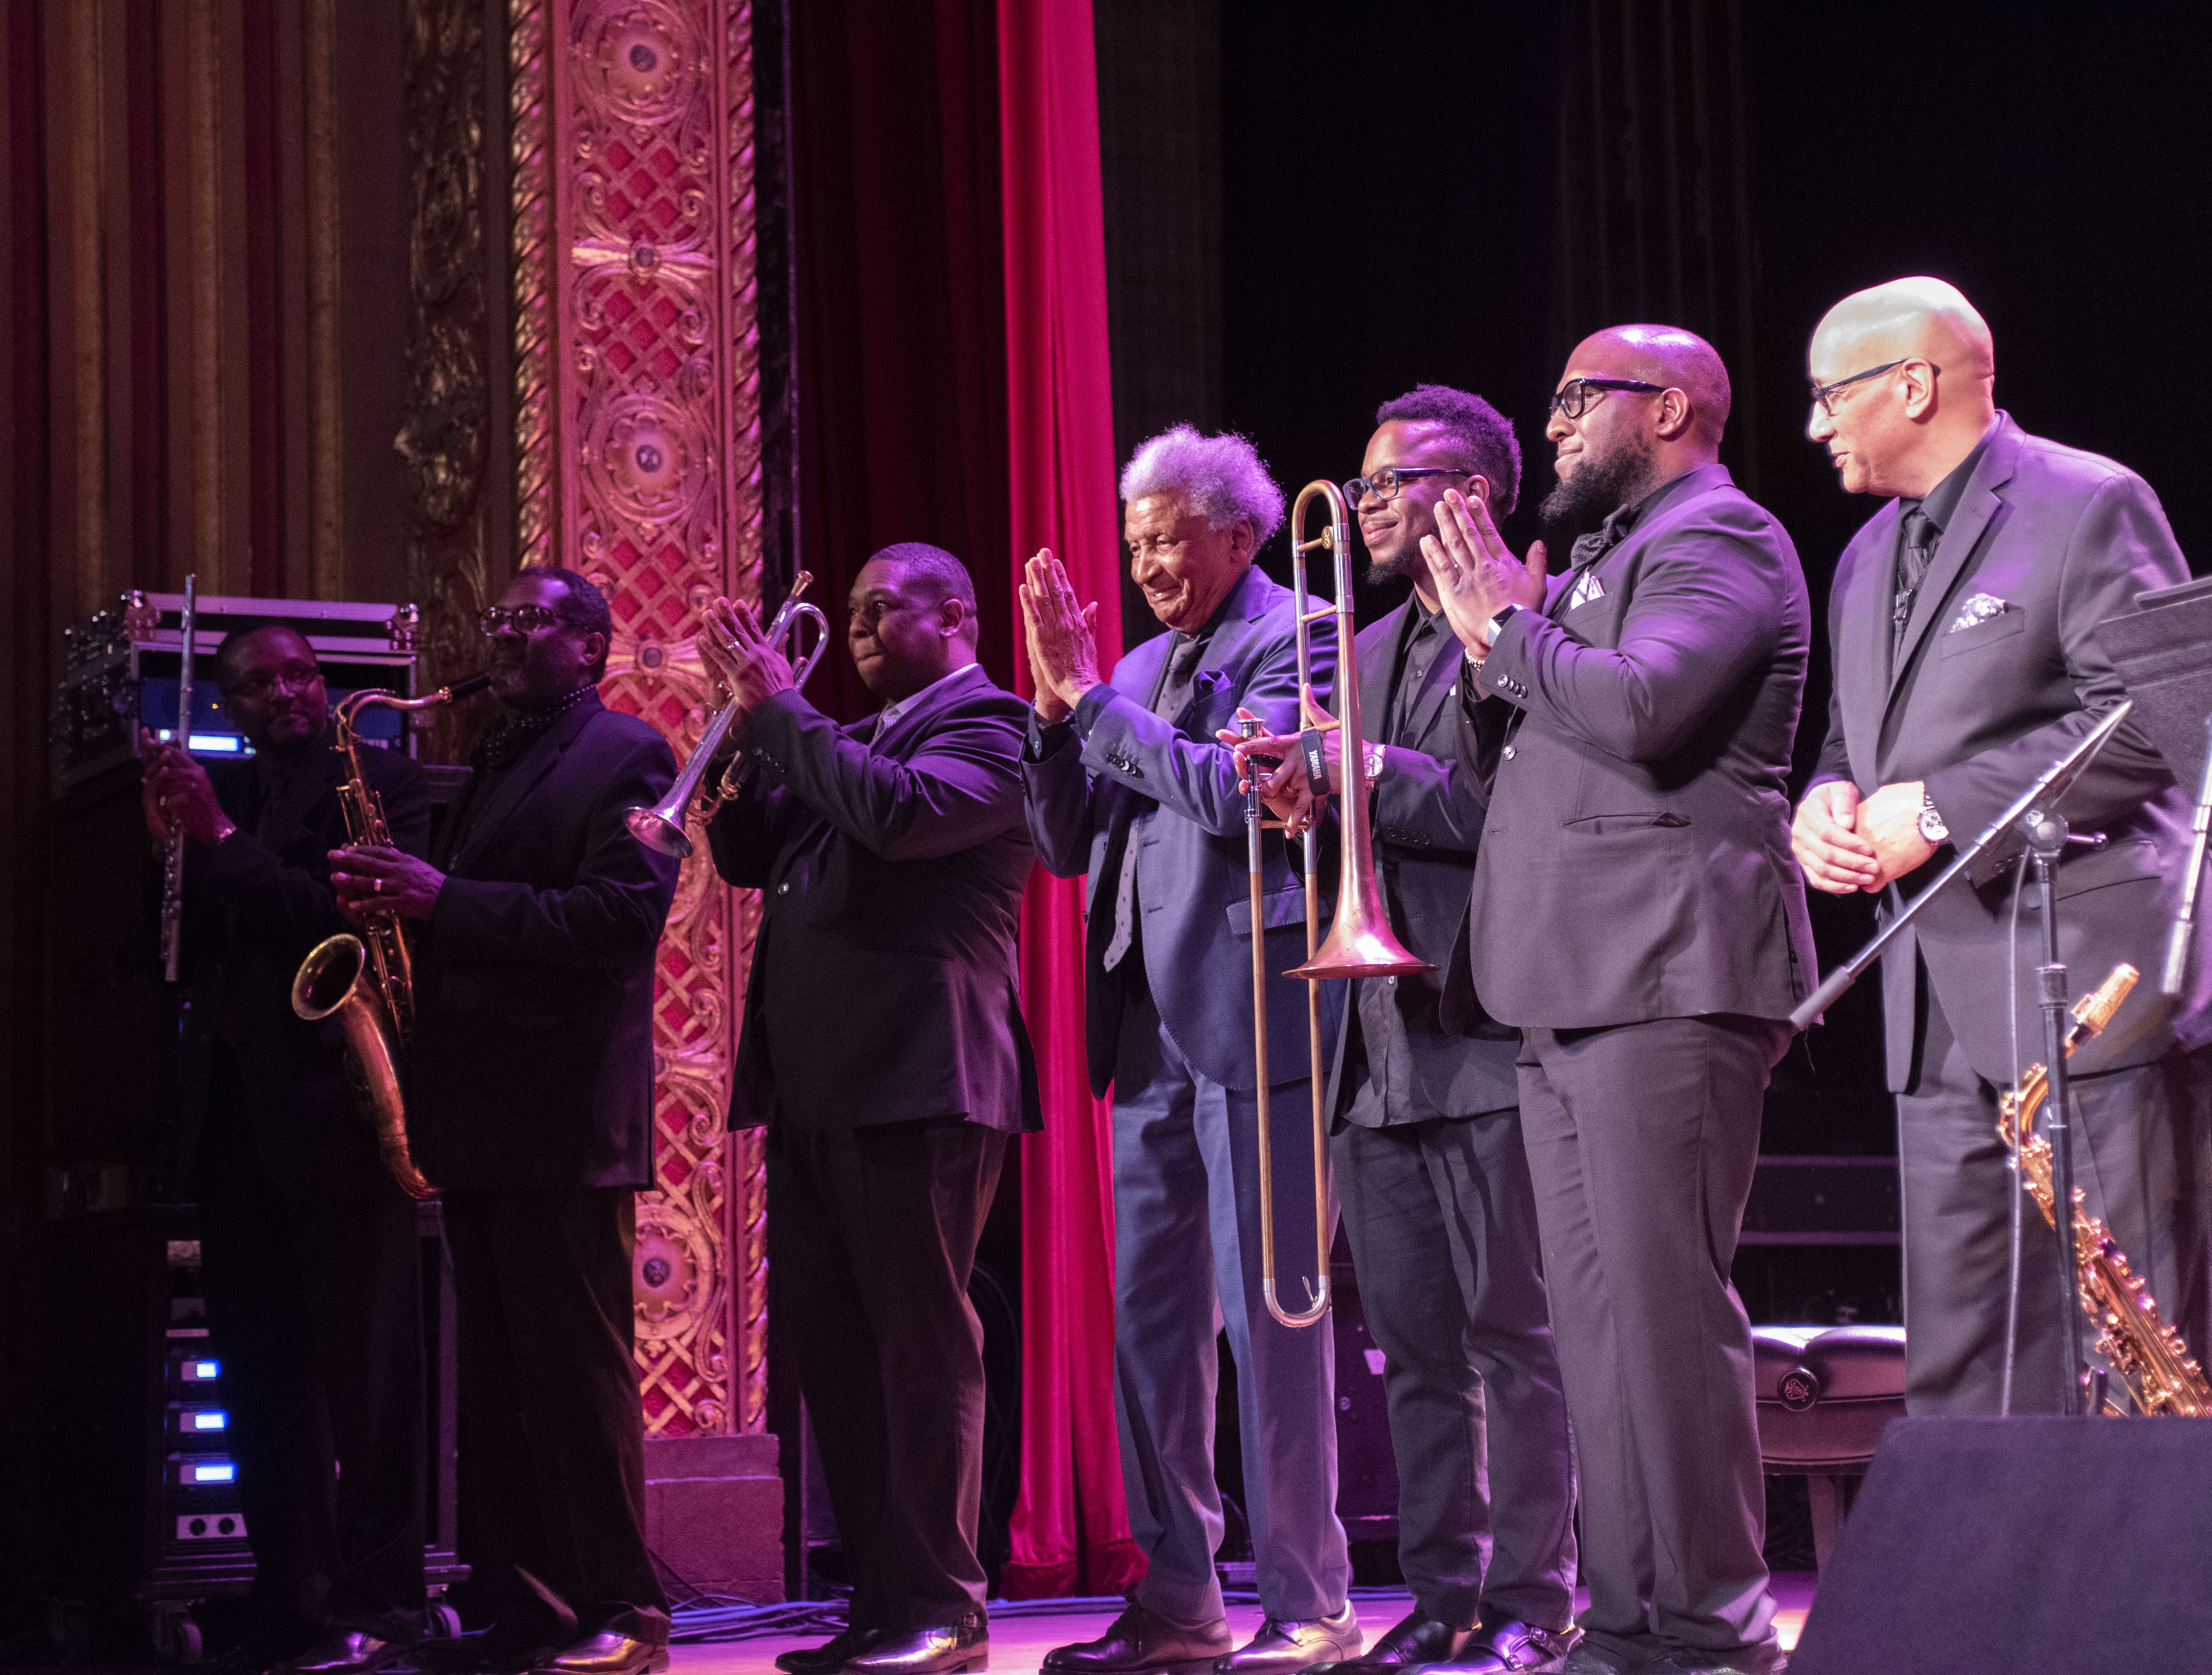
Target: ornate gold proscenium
(2153, 1361)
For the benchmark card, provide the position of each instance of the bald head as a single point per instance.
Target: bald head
(1672, 359)
(1932, 394)
(1924, 317)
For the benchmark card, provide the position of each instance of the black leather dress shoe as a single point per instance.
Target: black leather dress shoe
(1143, 1640)
(828, 1658)
(946, 1650)
(1283, 1646)
(494, 1652)
(1512, 1649)
(1413, 1641)
(610, 1652)
(263, 1649)
(342, 1652)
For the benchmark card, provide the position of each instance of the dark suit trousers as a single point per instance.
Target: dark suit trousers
(1641, 1140)
(552, 1435)
(2143, 1158)
(314, 1303)
(871, 1237)
(1443, 1224)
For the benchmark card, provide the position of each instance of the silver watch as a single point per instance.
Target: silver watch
(1931, 823)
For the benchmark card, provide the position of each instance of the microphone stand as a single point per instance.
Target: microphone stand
(2033, 813)
(2177, 942)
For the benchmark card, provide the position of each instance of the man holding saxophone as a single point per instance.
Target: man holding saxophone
(883, 1048)
(308, 1247)
(529, 1095)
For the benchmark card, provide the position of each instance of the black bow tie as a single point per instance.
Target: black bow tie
(1588, 548)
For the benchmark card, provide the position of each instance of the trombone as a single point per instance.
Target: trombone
(661, 826)
(1360, 942)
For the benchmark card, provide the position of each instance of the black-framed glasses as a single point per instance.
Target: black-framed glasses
(1824, 395)
(523, 618)
(297, 676)
(1385, 483)
(1577, 395)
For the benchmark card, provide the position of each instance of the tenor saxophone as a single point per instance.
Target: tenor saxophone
(2150, 1356)
(368, 981)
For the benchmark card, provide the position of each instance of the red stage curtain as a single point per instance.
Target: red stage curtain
(1071, 1527)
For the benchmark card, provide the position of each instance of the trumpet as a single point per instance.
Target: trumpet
(661, 826)
(1360, 942)
(368, 982)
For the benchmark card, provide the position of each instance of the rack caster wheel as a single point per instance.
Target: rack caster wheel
(444, 1623)
(176, 1637)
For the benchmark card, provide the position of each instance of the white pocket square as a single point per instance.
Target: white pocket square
(1588, 588)
(1978, 609)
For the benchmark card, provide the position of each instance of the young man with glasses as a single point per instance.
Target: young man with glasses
(530, 1104)
(1635, 911)
(1966, 659)
(1426, 1142)
(309, 1249)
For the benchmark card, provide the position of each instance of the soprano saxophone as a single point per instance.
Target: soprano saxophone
(368, 981)
(2148, 1354)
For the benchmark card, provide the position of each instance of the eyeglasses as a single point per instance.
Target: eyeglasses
(1824, 395)
(1576, 396)
(297, 676)
(523, 618)
(1385, 484)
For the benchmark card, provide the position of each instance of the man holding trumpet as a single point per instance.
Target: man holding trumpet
(883, 1050)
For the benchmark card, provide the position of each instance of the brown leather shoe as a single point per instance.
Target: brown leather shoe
(946, 1650)
(828, 1658)
(1283, 1646)
(1141, 1640)
(608, 1653)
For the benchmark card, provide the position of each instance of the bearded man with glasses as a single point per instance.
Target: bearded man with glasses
(1636, 913)
(1966, 659)
(530, 1104)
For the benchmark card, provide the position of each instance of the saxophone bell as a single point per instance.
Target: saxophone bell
(335, 979)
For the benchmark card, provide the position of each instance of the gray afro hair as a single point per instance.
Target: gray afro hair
(1221, 478)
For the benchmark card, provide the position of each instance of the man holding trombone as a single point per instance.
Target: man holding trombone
(1128, 786)
(883, 1048)
(1426, 1129)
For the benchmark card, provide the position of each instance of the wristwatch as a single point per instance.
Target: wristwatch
(1931, 823)
(1373, 752)
(1497, 625)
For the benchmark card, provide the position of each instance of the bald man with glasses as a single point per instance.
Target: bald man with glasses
(1963, 625)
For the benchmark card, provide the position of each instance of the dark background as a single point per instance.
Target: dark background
(1311, 208)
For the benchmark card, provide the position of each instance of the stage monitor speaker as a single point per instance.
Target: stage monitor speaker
(1992, 1544)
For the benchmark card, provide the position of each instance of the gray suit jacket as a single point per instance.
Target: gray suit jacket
(1427, 819)
(1636, 863)
(1983, 701)
(1170, 787)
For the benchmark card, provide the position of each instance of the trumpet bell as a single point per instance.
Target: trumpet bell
(661, 830)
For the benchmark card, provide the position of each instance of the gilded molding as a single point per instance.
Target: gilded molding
(325, 494)
(530, 216)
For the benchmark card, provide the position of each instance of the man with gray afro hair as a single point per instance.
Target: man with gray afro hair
(1130, 789)
(1221, 478)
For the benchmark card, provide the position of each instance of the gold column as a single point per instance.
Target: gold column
(638, 462)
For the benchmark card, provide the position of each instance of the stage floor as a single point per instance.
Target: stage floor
(1018, 1644)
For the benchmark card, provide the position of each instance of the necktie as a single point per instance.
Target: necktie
(270, 826)
(1175, 692)
(1920, 535)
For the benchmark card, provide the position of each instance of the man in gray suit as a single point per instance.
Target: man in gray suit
(1128, 787)
(1966, 660)
(1426, 1144)
(1635, 911)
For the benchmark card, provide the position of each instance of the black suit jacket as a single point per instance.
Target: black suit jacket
(533, 1060)
(2046, 543)
(885, 984)
(1636, 862)
(259, 909)
(1425, 816)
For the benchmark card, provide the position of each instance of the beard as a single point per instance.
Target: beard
(1598, 488)
(1402, 565)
